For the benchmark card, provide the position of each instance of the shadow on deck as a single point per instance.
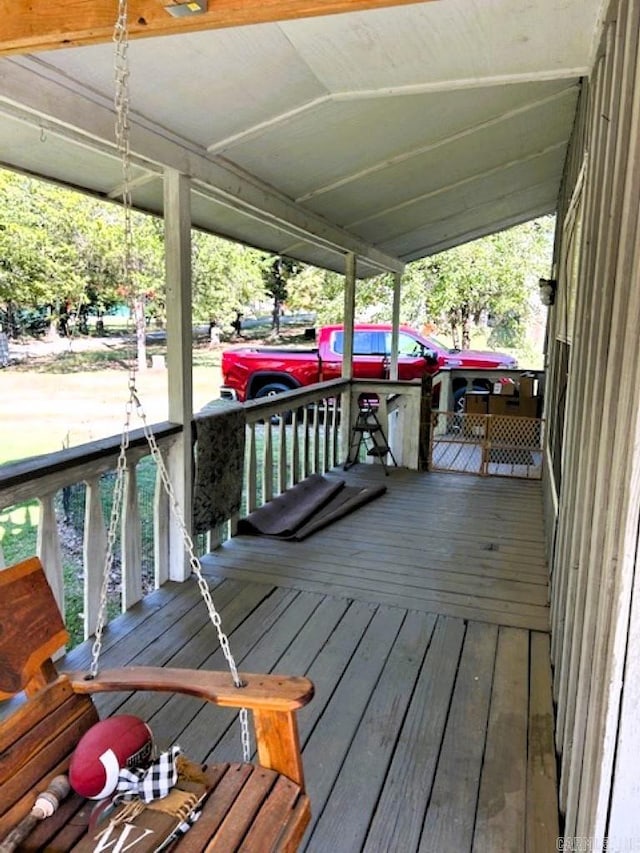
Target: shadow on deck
(422, 620)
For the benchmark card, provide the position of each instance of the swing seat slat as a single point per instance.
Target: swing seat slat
(250, 807)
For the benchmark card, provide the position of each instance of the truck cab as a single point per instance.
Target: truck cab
(372, 347)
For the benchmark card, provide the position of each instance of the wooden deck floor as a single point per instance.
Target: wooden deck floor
(422, 621)
(457, 545)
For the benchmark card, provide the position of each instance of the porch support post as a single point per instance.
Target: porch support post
(349, 312)
(347, 352)
(395, 323)
(177, 219)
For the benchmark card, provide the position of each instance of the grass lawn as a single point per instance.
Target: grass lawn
(68, 394)
(79, 397)
(68, 398)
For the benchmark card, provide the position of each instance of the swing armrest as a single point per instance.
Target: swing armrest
(272, 698)
(259, 691)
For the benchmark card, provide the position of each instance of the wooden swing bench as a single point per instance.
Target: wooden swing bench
(250, 807)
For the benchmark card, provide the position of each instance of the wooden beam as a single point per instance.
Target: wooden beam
(29, 26)
(88, 123)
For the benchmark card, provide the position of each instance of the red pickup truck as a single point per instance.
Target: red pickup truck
(250, 372)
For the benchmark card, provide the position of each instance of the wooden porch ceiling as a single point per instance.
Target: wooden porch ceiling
(428, 731)
(33, 25)
(466, 109)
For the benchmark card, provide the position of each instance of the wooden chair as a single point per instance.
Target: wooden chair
(253, 807)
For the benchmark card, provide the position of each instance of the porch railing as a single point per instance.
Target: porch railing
(288, 437)
(40, 483)
(305, 432)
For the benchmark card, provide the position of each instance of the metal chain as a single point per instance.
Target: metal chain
(196, 567)
(112, 533)
(123, 145)
(121, 62)
(121, 105)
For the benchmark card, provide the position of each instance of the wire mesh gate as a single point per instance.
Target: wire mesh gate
(489, 445)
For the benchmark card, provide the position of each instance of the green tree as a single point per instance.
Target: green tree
(492, 277)
(308, 290)
(65, 250)
(61, 249)
(373, 298)
(57, 248)
(34, 263)
(277, 273)
(226, 277)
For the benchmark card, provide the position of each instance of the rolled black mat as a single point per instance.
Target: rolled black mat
(306, 507)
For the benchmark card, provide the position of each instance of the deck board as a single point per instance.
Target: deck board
(450, 817)
(399, 815)
(431, 727)
(500, 818)
(326, 747)
(542, 809)
(344, 823)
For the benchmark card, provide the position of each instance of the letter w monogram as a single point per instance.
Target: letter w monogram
(122, 842)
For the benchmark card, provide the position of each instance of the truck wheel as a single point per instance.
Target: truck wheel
(271, 389)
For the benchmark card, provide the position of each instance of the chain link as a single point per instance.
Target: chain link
(112, 534)
(194, 562)
(121, 70)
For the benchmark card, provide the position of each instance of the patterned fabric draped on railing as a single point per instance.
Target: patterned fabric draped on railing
(219, 454)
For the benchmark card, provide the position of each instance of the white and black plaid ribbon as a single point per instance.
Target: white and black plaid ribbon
(152, 783)
(148, 783)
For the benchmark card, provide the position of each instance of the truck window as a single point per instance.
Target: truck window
(407, 345)
(364, 343)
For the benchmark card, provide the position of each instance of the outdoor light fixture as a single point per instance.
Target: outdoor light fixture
(547, 290)
(182, 10)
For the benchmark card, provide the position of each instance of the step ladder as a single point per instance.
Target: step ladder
(367, 432)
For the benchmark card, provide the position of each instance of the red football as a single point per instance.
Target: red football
(121, 741)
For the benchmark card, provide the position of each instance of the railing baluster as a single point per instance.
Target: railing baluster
(131, 537)
(252, 469)
(267, 462)
(94, 553)
(294, 475)
(306, 442)
(326, 431)
(86, 464)
(316, 438)
(282, 460)
(335, 434)
(49, 549)
(304, 427)
(161, 527)
(213, 539)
